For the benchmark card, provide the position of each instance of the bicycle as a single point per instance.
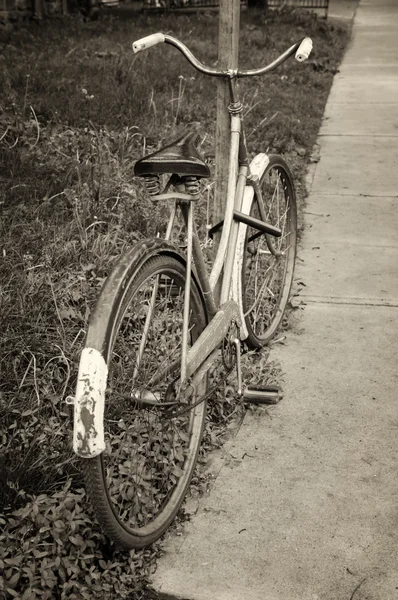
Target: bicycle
(158, 326)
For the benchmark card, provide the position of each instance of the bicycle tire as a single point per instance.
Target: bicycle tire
(267, 279)
(137, 485)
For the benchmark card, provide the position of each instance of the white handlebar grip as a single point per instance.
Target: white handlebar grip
(304, 50)
(148, 41)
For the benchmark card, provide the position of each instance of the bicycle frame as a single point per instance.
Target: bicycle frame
(93, 372)
(242, 182)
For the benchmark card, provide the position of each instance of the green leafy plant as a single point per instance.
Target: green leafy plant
(51, 548)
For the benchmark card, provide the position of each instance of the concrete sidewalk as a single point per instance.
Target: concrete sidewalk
(307, 509)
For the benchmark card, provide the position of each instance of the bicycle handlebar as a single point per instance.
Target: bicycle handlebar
(148, 41)
(302, 49)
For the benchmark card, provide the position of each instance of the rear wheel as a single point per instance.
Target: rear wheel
(266, 276)
(152, 437)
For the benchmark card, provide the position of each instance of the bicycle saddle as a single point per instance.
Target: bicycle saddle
(181, 156)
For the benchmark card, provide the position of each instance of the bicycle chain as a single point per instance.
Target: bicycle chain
(202, 398)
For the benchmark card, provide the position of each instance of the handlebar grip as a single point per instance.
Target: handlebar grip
(304, 50)
(148, 41)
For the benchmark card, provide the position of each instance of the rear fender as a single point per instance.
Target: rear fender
(89, 401)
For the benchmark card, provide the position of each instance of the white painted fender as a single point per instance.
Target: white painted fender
(89, 404)
(257, 167)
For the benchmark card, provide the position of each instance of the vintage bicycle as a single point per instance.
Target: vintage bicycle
(162, 320)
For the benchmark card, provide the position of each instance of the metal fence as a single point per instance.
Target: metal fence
(184, 5)
(192, 5)
(317, 5)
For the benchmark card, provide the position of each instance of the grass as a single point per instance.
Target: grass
(77, 109)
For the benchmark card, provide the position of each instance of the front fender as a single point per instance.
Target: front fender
(257, 167)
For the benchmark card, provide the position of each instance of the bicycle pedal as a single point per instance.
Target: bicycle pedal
(262, 394)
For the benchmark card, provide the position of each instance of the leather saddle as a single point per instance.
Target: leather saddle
(181, 156)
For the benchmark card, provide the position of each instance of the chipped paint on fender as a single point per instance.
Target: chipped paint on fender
(88, 431)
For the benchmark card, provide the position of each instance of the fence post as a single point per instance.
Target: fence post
(228, 48)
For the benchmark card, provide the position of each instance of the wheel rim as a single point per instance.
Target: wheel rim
(150, 456)
(267, 278)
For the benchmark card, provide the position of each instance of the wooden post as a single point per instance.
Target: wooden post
(228, 49)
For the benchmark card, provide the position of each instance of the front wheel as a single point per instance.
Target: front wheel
(138, 483)
(267, 268)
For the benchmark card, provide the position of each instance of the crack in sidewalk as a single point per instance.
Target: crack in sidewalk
(378, 302)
